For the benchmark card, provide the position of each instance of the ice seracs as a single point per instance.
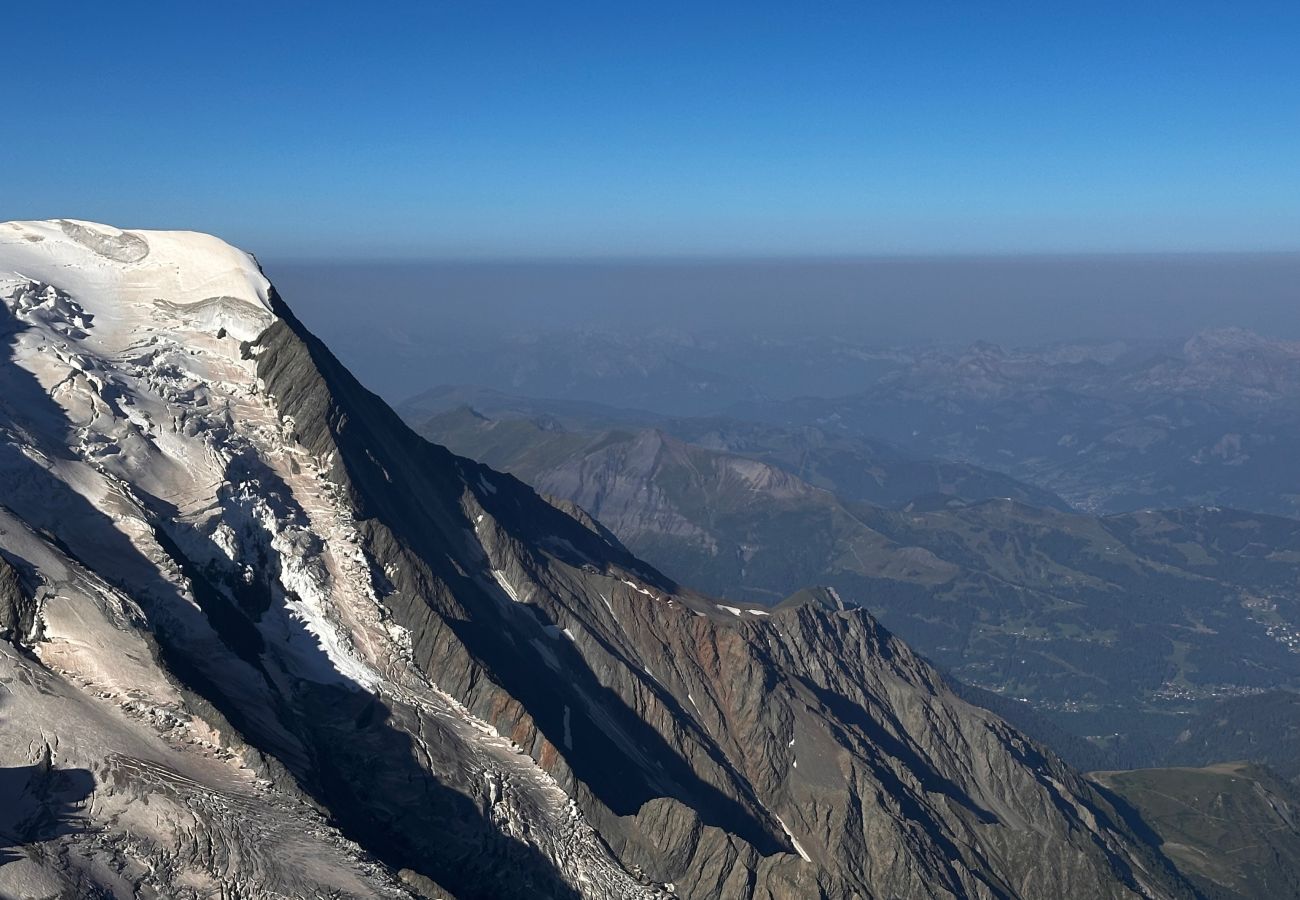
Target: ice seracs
(138, 341)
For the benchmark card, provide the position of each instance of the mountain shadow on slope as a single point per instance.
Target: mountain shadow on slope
(420, 508)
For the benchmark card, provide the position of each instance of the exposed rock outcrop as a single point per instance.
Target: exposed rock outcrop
(17, 606)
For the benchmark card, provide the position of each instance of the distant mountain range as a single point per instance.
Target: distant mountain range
(1119, 628)
(1109, 427)
(1110, 430)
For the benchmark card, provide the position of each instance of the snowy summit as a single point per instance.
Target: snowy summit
(138, 276)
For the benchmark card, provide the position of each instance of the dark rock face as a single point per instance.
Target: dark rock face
(727, 751)
(17, 606)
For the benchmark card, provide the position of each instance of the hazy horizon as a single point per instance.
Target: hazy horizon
(416, 316)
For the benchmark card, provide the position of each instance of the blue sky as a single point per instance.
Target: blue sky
(480, 129)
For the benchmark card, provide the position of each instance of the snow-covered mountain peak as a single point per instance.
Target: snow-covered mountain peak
(131, 374)
(175, 279)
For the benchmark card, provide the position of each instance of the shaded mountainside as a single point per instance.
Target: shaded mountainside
(281, 645)
(1110, 427)
(719, 518)
(491, 425)
(1119, 627)
(858, 468)
(1263, 727)
(1234, 828)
